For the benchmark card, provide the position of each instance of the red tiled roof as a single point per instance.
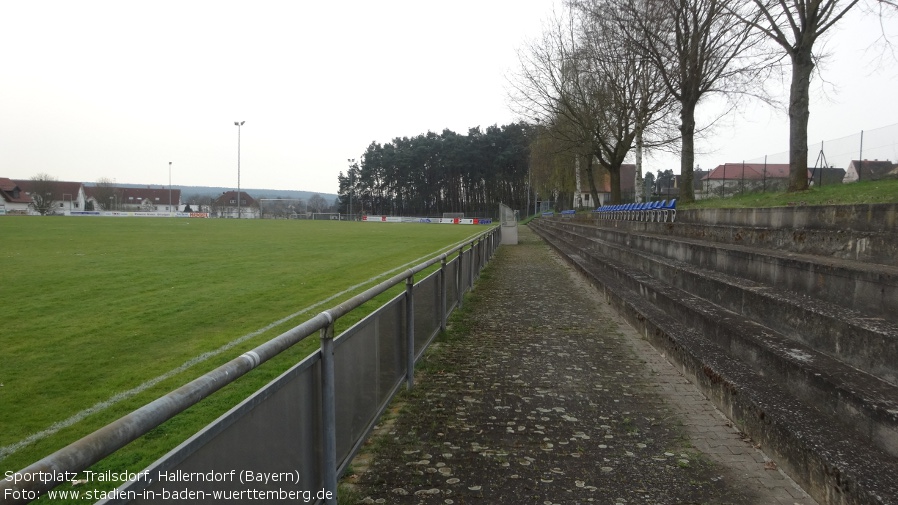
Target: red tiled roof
(156, 196)
(7, 190)
(90, 191)
(227, 196)
(750, 171)
(61, 189)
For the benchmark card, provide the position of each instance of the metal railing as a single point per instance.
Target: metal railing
(305, 426)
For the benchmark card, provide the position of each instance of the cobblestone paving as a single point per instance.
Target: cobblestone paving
(540, 394)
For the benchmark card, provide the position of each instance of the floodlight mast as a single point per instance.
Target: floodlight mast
(238, 124)
(351, 163)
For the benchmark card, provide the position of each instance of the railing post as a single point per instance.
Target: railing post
(410, 330)
(329, 410)
(479, 256)
(475, 261)
(459, 285)
(489, 249)
(471, 265)
(492, 246)
(482, 248)
(443, 293)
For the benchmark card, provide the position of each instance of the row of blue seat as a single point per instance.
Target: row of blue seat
(650, 211)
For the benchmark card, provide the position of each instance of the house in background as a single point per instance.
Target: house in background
(666, 189)
(870, 170)
(603, 186)
(100, 198)
(827, 176)
(698, 177)
(61, 196)
(226, 206)
(731, 178)
(13, 200)
(669, 188)
(149, 199)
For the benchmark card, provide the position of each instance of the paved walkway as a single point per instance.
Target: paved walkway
(541, 394)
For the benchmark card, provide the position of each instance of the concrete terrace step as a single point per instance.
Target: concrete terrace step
(867, 233)
(866, 288)
(833, 426)
(879, 217)
(863, 403)
(869, 344)
(877, 247)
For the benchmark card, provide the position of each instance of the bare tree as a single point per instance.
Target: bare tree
(317, 203)
(105, 193)
(697, 47)
(583, 81)
(543, 87)
(551, 165)
(42, 189)
(796, 25)
(201, 202)
(636, 101)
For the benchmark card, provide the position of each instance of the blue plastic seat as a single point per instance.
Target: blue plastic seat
(669, 210)
(653, 209)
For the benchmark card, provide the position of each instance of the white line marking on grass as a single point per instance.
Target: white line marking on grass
(6, 450)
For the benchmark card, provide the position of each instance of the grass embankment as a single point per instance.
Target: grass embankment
(95, 307)
(885, 191)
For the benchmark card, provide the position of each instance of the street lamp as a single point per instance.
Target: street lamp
(169, 188)
(238, 124)
(351, 163)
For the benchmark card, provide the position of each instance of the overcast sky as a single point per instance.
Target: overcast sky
(119, 89)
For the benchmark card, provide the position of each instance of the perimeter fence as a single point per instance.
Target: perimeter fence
(834, 161)
(291, 439)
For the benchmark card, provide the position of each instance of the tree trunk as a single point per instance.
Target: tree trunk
(615, 184)
(637, 184)
(592, 182)
(687, 153)
(799, 114)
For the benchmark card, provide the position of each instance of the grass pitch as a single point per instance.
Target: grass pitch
(93, 307)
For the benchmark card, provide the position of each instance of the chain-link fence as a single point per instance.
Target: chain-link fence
(834, 161)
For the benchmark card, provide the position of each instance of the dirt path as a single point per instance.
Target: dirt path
(542, 395)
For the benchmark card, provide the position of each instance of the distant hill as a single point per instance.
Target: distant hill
(213, 191)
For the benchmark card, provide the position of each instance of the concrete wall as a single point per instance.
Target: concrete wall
(882, 217)
(865, 233)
